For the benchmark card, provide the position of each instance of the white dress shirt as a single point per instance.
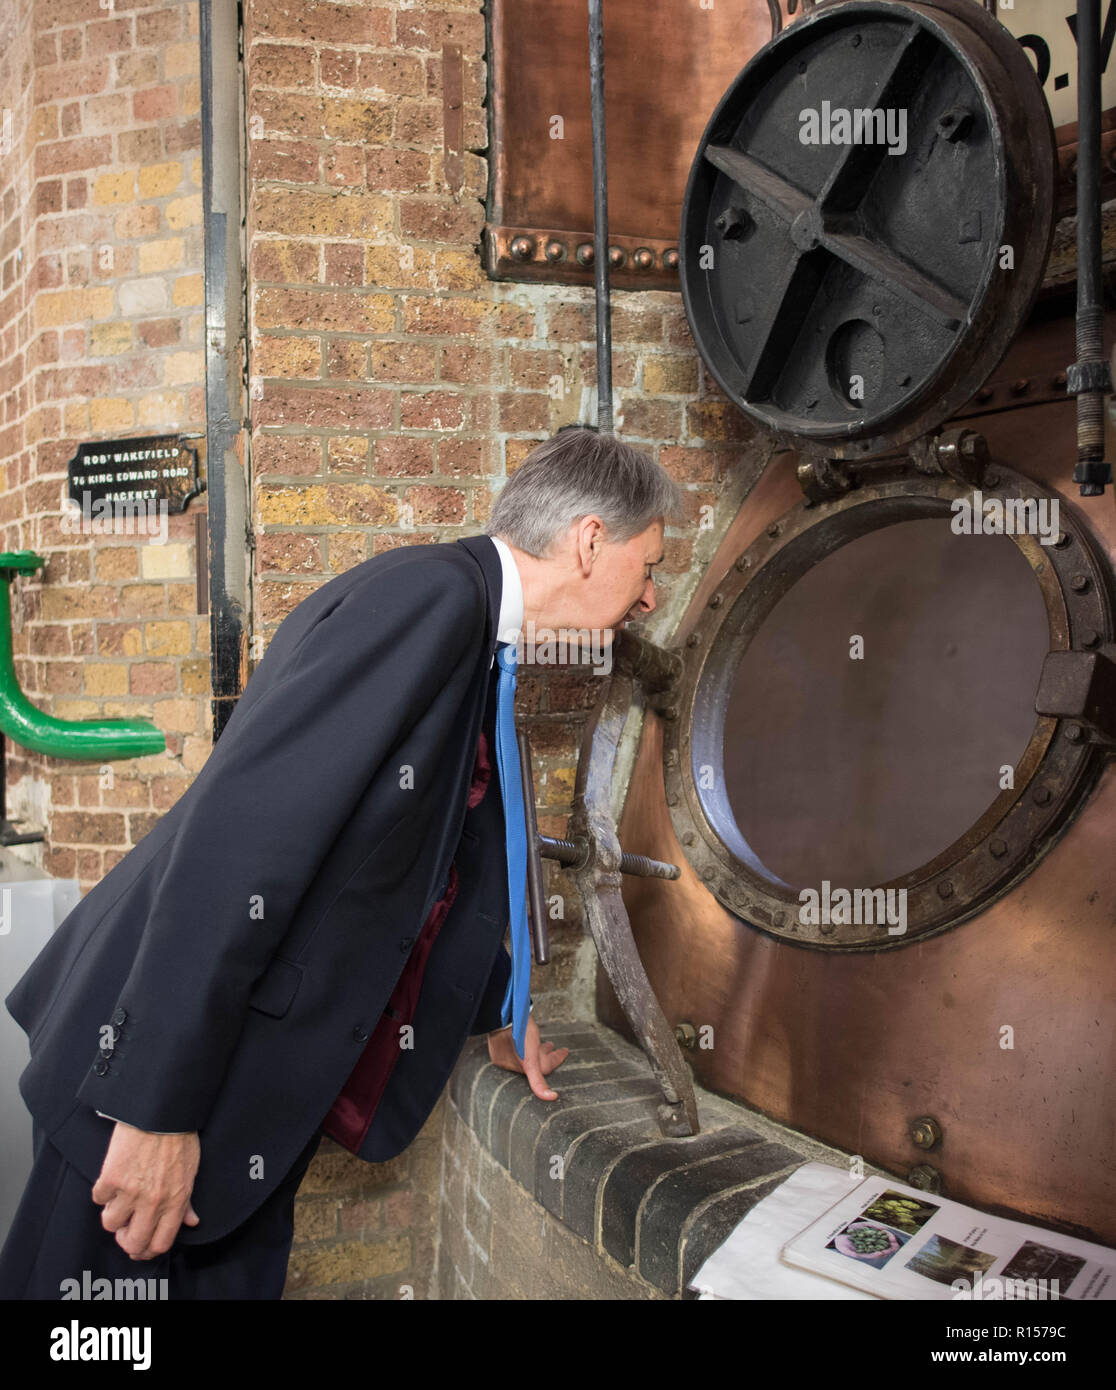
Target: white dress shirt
(508, 626)
(510, 621)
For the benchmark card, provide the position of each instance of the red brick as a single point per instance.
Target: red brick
(433, 410)
(281, 65)
(440, 219)
(403, 456)
(156, 103)
(325, 407)
(288, 455)
(288, 161)
(68, 80)
(324, 23)
(441, 505)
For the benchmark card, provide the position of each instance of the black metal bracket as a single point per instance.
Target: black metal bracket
(1081, 687)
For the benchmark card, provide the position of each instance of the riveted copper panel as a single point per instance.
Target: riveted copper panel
(666, 67)
(853, 1047)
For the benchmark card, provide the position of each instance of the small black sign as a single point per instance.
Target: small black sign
(152, 466)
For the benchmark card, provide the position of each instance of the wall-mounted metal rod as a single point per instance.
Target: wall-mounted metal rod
(600, 220)
(229, 539)
(539, 936)
(1089, 378)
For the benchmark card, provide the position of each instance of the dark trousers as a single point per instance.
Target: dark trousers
(57, 1234)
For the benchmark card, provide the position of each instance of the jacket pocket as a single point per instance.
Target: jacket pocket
(276, 988)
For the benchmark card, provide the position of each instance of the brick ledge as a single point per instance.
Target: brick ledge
(596, 1160)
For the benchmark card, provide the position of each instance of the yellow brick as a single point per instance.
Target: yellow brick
(195, 677)
(189, 96)
(166, 561)
(77, 709)
(108, 339)
(184, 212)
(347, 1262)
(71, 306)
(296, 212)
(196, 172)
(130, 710)
(177, 716)
(183, 598)
(76, 416)
(63, 604)
(170, 638)
(116, 561)
(288, 357)
(394, 264)
(315, 1220)
(349, 449)
(115, 188)
(666, 375)
(304, 506)
(132, 642)
(164, 409)
(560, 786)
(314, 506)
(160, 255)
(110, 413)
(138, 220)
(195, 752)
(105, 680)
(37, 428)
(189, 289)
(184, 368)
(457, 270)
(179, 60)
(157, 180)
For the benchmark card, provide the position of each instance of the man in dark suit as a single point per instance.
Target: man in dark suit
(304, 942)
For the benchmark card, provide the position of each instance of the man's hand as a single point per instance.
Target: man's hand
(536, 1063)
(144, 1186)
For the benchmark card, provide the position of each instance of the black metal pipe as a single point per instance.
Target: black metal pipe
(539, 935)
(600, 219)
(1089, 378)
(228, 530)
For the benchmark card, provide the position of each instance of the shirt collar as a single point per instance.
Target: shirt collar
(510, 621)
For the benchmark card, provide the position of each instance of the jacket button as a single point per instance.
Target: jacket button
(100, 1067)
(106, 1051)
(406, 944)
(359, 1034)
(120, 1016)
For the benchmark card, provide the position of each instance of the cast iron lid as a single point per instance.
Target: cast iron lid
(867, 221)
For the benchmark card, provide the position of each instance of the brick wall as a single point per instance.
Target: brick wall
(101, 336)
(391, 388)
(582, 1197)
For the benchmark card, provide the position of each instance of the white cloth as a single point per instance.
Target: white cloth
(748, 1266)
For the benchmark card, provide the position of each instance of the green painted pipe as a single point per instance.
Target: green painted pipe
(92, 739)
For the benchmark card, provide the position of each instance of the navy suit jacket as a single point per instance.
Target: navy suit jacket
(225, 976)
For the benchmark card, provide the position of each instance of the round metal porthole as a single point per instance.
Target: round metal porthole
(998, 839)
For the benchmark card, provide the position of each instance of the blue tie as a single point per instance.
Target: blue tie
(517, 996)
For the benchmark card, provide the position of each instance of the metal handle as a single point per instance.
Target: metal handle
(569, 853)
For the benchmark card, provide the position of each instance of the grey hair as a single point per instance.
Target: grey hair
(576, 473)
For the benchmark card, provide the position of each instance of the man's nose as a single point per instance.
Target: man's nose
(647, 598)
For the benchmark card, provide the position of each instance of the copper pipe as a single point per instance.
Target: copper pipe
(600, 220)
